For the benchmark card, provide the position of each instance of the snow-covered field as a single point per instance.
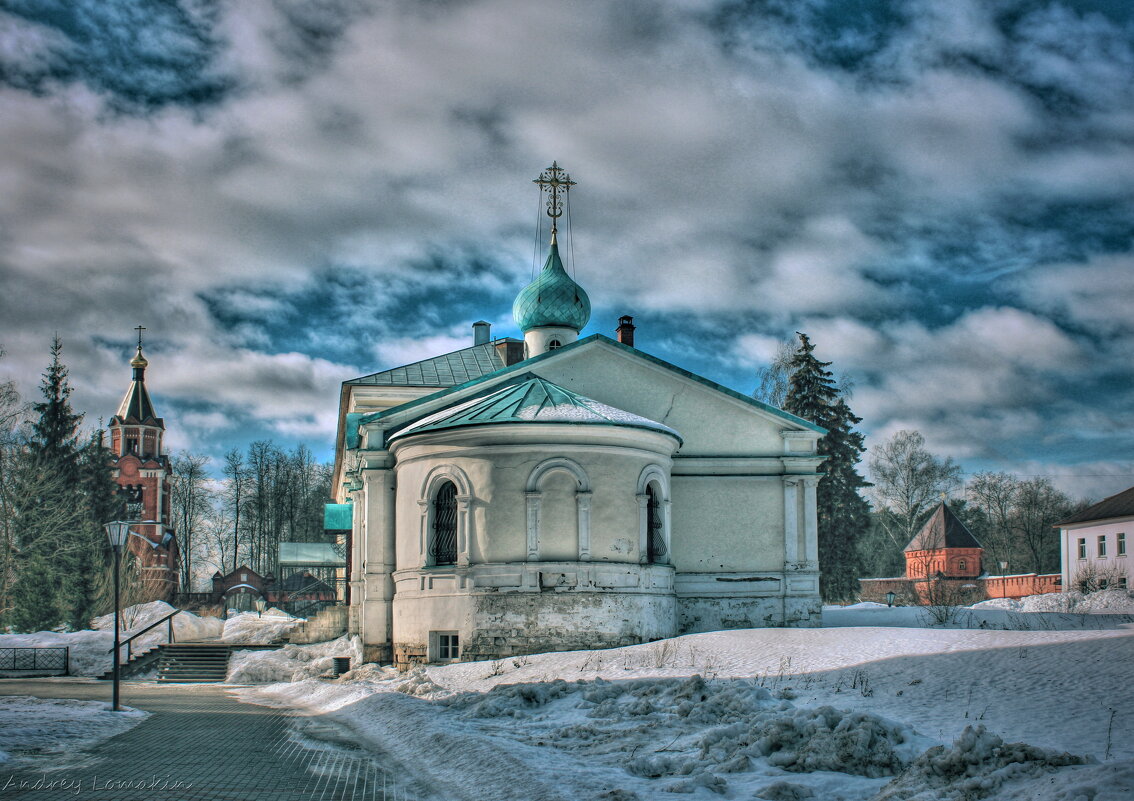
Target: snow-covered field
(874, 706)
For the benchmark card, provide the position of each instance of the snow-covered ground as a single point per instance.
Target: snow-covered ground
(1024, 706)
(35, 728)
(873, 706)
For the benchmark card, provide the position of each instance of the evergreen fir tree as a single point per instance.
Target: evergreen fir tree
(55, 431)
(83, 586)
(842, 512)
(61, 499)
(35, 596)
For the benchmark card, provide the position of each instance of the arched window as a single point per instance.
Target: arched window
(655, 535)
(553, 344)
(962, 565)
(443, 542)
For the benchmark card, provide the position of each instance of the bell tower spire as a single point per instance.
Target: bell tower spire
(143, 472)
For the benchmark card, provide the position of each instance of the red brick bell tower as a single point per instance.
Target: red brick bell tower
(142, 470)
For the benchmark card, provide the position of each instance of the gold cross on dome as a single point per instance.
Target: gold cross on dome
(140, 329)
(554, 180)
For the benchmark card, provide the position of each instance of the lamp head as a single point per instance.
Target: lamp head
(117, 532)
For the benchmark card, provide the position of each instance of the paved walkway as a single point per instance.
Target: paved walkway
(201, 744)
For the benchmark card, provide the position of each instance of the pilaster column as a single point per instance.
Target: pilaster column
(643, 525)
(422, 532)
(583, 512)
(791, 520)
(464, 503)
(810, 521)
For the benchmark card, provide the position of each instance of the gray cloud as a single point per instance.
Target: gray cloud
(937, 192)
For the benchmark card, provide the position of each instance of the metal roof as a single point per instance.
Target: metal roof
(943, 530)
(446, 370)
(530, 399)
(552, 298)
(526, 364)
(1120, 505)
(136, 405)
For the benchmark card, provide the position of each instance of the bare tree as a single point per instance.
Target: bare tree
(774, 378)
(191, 504)
(997, 495)
(908, 482)
(236, 480)
(1039, 505)
(1093, 577)
(12, 414)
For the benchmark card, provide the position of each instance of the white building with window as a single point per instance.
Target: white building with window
(558, 493)
(1095, 543)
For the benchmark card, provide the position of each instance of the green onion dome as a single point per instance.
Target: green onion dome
(552, 299)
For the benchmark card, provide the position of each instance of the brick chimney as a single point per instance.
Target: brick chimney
(626, 330)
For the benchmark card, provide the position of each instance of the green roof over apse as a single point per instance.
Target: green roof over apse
(552, 299)
(530, 399)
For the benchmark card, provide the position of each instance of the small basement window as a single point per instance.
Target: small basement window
(448, 646)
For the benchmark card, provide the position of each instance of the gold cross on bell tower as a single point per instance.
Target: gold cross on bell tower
(140, 329)
(554, 180)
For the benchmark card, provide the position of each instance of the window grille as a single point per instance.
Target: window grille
(655, 536)
(443, 547)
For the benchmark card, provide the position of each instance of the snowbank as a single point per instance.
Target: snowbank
(186, 626)
(38, 726)
(249, 627)
(292, 662)
(975, 766)
(1073, 602)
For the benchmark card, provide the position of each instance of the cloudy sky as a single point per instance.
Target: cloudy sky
(289, 194)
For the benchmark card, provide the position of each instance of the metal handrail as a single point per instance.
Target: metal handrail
(157, 622)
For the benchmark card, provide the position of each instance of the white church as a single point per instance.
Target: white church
(557, 493)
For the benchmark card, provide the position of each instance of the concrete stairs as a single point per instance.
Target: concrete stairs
(140, 661)
(193, 662)
(328, 624)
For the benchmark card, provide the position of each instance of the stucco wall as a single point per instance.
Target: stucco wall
(711, 423)
(1111, 565)
(497, 472)
(727, 523)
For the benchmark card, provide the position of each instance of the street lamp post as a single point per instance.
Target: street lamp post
(116, 532)
(890, 596)
(261, 605)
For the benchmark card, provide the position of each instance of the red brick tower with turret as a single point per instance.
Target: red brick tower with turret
(143, 472)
